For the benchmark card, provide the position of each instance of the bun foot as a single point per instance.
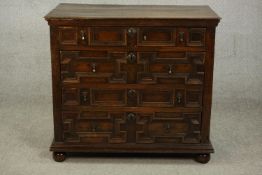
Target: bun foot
(59, 156)
(202, 158)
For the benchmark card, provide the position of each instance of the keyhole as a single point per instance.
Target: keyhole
(131, 57)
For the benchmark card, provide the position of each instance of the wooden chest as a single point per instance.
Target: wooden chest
(132, 79)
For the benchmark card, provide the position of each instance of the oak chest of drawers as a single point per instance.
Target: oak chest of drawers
(132, 79)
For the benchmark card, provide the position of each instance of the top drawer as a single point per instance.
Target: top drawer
(170, 36)
(93, 36)
(135, 36)
(156, 36)
(111, 36)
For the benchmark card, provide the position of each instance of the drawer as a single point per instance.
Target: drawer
(92, 36)
(156, 36)
(156, 67)
(149, 96)
(92, 66)
(119, 36)
(170, 67)
(94, 127)
(165, 127)
(108, 36)
(170, 36)
(108, 127)
(68, 35)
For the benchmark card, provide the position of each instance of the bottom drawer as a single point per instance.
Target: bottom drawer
(94, 127)
(103, 127)
(162, 127)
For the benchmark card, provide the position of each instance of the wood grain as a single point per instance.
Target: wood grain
(95, 11)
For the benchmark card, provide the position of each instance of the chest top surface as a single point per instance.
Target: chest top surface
(94, 11)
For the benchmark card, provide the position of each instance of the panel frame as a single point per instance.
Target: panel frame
(121, 30)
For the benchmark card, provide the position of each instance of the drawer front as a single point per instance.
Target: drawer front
(94, 127)
(158, 67)
(103, 127)
(68, 35)
(92, 66)
(163, 127)
(156, 36)
(92, 36)
(108, 36)
(119, 36)
(168, 67)
(190, 97)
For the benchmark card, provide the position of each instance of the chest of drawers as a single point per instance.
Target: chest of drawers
(132, 79)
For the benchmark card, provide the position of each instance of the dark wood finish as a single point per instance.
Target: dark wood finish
(202, 158)
(156, 36)
(128, 82)
(151, 96)
(59, 156)
(107, 36)
(95, 11)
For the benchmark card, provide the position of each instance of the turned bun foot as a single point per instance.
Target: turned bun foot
(59, 156)
(202, 158)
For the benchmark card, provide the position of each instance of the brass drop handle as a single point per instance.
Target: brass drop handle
(170, 69)
(131, 31)
(167, 127)
(178, 98)
(82, 33)
(181, 36)
(145, 37)
(94, 127)
(85, 96)
(131, 57)
(131, 93)
(131, 116)
(93, 65)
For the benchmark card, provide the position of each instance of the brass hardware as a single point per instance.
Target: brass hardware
(170, 67)
(85, 97)
(178, 97)
(181, 36)
(167, 127)
(131, 116)
(131, 57)
(83, 37)
(131, 31)
(93, 65)
(131, 93)
(144, 38)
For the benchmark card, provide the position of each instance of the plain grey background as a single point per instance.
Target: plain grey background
(26, 127)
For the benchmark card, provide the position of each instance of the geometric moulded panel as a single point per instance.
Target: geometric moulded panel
(94, 127)
(168, 128)
(168, 67)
